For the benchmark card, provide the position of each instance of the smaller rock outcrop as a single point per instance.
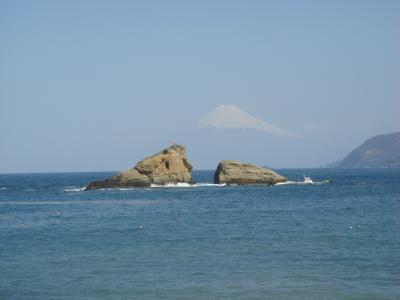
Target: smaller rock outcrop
(168, 166)
(236, 172)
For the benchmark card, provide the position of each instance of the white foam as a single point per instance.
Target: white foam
(210, 184)
(185, 185)
(168, 185)
(116, 189)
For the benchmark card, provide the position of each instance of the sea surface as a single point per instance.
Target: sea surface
(326, 241)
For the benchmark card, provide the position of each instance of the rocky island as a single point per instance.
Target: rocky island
(236, 172)
(168, 166)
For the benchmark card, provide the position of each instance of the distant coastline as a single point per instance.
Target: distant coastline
(379, 152)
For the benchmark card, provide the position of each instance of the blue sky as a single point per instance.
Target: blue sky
(98, 85)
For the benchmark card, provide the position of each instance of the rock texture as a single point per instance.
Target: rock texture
(168, 166)
(236, 172)
(381, 151)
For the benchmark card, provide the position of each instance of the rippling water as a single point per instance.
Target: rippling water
(330, 241)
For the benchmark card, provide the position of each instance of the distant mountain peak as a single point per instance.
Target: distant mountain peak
(232, 117)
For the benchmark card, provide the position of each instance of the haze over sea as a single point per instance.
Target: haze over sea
(330, 241)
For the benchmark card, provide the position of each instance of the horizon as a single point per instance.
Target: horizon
(326, 166)
(88, 86)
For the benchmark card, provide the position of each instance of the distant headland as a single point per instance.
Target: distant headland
(381, 151)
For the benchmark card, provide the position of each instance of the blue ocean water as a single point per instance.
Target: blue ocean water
(330, 241)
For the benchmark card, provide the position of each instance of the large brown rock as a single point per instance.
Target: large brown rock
(236, 172)
(168, 166)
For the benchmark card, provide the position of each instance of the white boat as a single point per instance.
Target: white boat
(307, 180)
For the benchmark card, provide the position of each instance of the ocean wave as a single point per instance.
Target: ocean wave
(82, 202)
(70, 189)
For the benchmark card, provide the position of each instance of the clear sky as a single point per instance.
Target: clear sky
(98, 85)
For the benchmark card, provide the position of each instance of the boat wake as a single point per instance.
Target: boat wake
(307, 181)
(74, 189)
